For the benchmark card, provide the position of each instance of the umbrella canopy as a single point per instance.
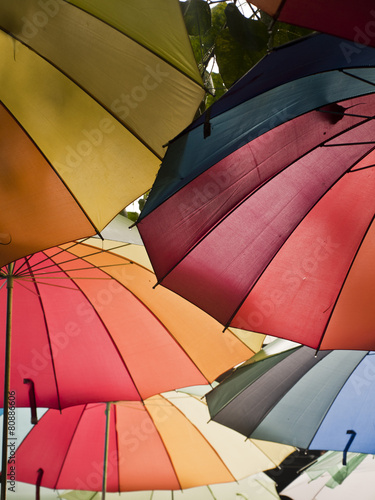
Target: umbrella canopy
(258, 486)
(90, 93)
(268, 200)
(164, 442)
(318, 402)
(87, 326)
(355, 24)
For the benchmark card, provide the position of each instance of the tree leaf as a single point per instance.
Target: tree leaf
(197, 16)
(250, 33)
(233, 59)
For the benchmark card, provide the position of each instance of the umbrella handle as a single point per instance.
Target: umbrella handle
(37, 484)
(353, 435)
(32, 400)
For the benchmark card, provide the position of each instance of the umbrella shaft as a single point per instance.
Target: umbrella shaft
(4, 464)
(107, 414)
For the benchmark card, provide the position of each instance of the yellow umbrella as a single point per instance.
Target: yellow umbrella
(90, 92)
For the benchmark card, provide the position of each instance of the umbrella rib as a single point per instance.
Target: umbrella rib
(102, 105)
(343, 282)
(84, 407)
(121, 357)
(199, 432)
(78, 258)
(50, 275)
(111, 338)
(362, 168)
(337, 113)
(345, 72)
(169, 333)
(279, 9)
(264, 453)
(161, 279)
(292, 230)
(173, 337)
(336, 396)
(95, 229)
(348, 144)
(49, 342)
(159, 56)
(161, 439)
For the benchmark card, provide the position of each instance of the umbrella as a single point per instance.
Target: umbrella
(88, 327)
(262, 211)
(90, 93)
(163, 443)
(318, 402)
(359, 483)
(258, 486)
(355, 24)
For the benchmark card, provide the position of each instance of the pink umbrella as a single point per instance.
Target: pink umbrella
(351, 21)
(89, 327)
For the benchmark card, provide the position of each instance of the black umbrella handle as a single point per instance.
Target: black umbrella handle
(353, 435)
(32, 400)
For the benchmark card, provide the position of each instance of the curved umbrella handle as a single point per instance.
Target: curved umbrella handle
(34, 417)
(353, 435)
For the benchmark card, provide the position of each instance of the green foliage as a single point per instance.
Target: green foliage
(233, 59)
(240, 45)
(133, 216)
(197, 15)
(218, 30)
(250, 33)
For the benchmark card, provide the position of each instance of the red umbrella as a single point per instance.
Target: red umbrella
(262, 212)
(336, 17)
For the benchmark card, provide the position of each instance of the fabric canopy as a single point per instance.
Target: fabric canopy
(90, 92)
(337, 17)
(262, 212)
